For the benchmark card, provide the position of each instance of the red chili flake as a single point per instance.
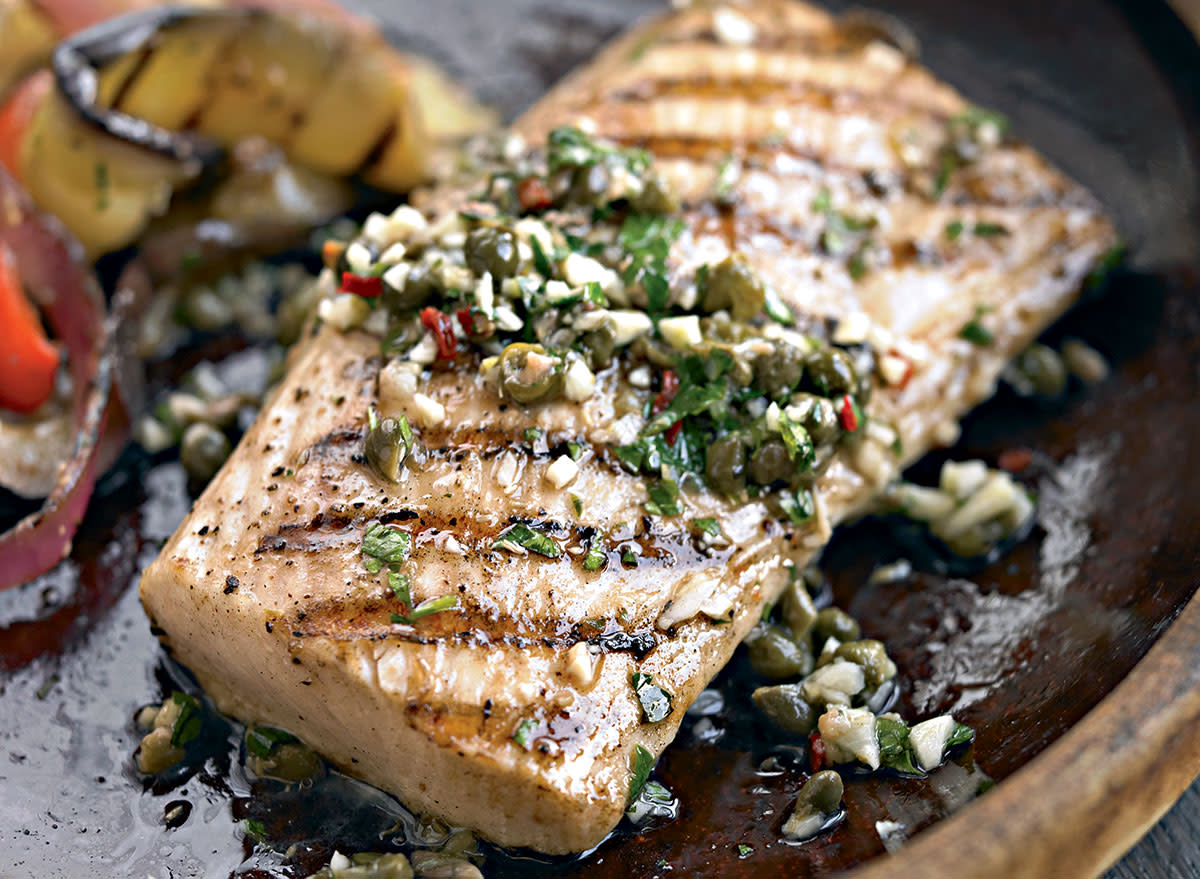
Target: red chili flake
(534, 194)
(670, 387)
(908, 368)
(366, 286)
(847, 416)
(439, 324)
(465, 320)
(816, 746)
(1015, 460)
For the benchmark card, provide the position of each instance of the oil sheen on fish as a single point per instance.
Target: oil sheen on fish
(514, 714)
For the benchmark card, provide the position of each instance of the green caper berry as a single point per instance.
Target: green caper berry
(819, 417)
(798, 609)
(422, 284)
(771, 463)
(832, 372)
(1044, 369)
(387, 448)
(292, 762)
(776, 374)
(589, 185)
(872, 656)
(203, 450)
(775, 654)
(784, 706)
(599, 344)
(732, 284)
(528, 373)
(833, 622)
(725, 465)
(822, 793)
(655, 198)
(489, 249)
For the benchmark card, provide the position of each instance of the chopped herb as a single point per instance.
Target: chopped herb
(648, 238)
(775, 307)
(383, 545)
(664, 499)
(540, 261)
(655, 701)
(976, 333)
(531, 434)
(947, 165)
(639, 772)
(574, 451)
(798, 506)
(1111, 259)
(858, 264)
(524, 733)
(960, 736)
(189, 722)
(400, 585)
(595, 559)
(629, 557)
(989, 230)
(261, 741)
(427, 608)
(766, 611)
(954, 229)
(975, 117)
(524, 537)
(895, 750)
(691, 400)
(577, 504)
(254, 829)
(569, 147)
(708, 526)
(797, 441)
(744, 851)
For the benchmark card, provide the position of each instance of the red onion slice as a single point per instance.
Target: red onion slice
(53, 270)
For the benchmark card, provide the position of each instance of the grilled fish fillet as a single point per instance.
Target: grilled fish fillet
(262, 591)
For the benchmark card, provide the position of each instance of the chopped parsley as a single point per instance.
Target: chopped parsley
(961, 735)
(574, 451)
(954, 229)
(383, 545)
(989, 230)
(400, 586)
(531, 434)
(655, 701)
(976, 333)
(639, 771)
(427, 608)
(707, 525)
(189, 722)
(798, 506)
(895, 751)
(745, 851)
(796, 440)
(648, 238)
(523, 735)
(577, 504)
(254, 829)
(520, 537)
(595, 559)
(568, 147)
(261, 741)
(664, 499)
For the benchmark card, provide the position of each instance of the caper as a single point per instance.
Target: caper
(785, 708)
(831, 371)
(872, 656)
(775, 654)
(589, 185)
(725, 465)
(833, 622)
(388, 444)
(798, 610)
(822, 792)
(819, 417)
(599, 343)
(489, 249)
(655, 198)
(1044, 370)
(528, 373)
(776, 374)
(423, 282)
(203, 450)
(732, 284)
(292, 762)
(771, 463)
